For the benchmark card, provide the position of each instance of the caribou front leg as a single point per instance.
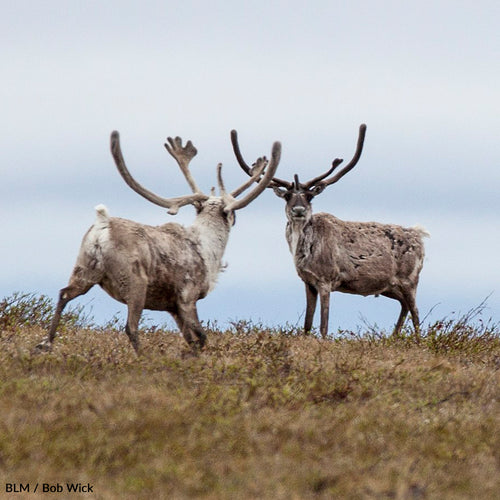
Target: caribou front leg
(311, 299)
(324, 298)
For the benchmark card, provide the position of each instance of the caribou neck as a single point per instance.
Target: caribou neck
(298, 235)
(212, 229)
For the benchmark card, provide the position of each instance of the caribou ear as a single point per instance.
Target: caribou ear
(280, 191)
(317, 189)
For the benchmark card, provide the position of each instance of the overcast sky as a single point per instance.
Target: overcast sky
(424, 76)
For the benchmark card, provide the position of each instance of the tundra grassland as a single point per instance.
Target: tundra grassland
(261, 413)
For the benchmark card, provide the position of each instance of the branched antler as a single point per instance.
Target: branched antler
(351, 164)
(275, 182)
(312, 182)
(183, 156)
(262, 181)
(173, 204)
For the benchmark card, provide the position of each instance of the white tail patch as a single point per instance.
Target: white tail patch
(102, 212)
(421, 229)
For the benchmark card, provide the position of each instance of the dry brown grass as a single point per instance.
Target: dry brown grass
(258, 414)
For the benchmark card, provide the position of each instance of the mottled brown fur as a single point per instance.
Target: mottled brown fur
(362, 258)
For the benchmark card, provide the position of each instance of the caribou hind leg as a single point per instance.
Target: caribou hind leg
(412, 306)
(396, 295)
(401, 318)
(408, 304)
(73, 290)
(135, 306)
(190, 326)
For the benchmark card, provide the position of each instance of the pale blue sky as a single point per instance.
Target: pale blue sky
(424, 77)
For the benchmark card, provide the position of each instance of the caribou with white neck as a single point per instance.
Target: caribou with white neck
(168, 267)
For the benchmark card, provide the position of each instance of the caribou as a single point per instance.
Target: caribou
(333, 255)
(168, 267)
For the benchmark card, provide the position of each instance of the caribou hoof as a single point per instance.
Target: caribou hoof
(44, 346)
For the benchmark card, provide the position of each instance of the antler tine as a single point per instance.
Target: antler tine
(220, 181)
(183, 156)
(275, 182)
(173, 204)
(257, 168)
(312, 182)
(262, 182)
(352, 163)
(236, 148)
(237, 152)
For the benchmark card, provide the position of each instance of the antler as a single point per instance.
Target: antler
(183, 157)
(220, 181)
(335, 164)
(262, 182)
(317, 181)
(236, 148)
(349, 166)
(257, 167)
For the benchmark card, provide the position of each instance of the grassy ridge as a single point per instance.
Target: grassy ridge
(259, 414)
